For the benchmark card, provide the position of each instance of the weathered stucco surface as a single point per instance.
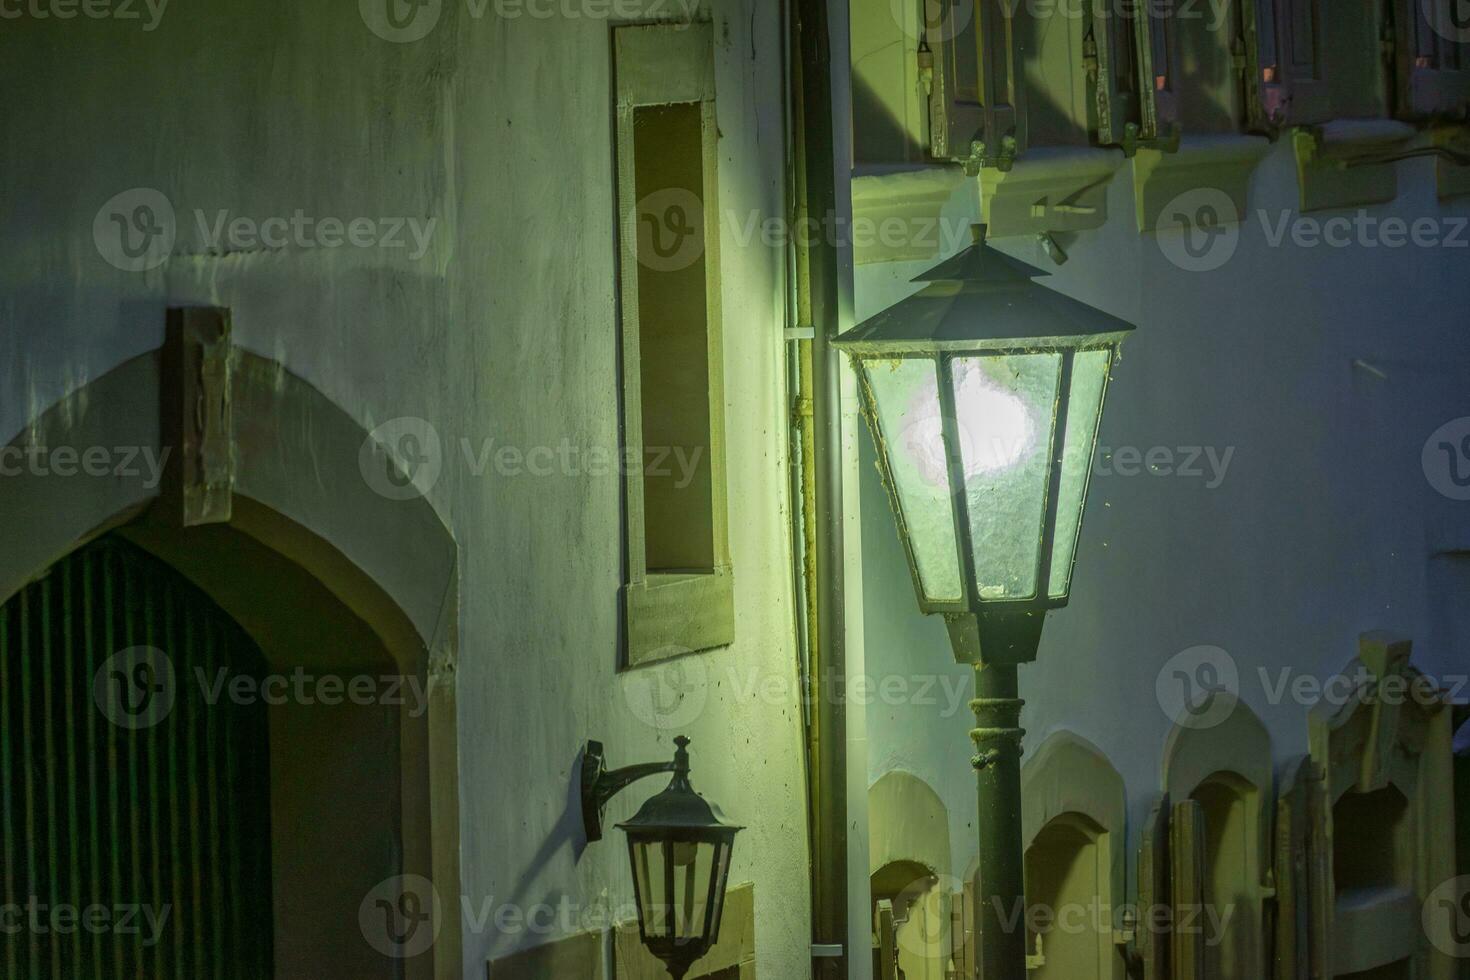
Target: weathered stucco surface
(498, 128)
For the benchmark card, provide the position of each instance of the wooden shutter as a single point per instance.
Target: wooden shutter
(1156, 46)
(1154, 893)
(975, 101)
(962, 932)
(1432, 66)
(1187, 848)
(1112, 65)
(887, 968)
(1303, 906)
(1293, 82)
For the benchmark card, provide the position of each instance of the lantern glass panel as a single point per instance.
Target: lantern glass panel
(680, 888)
(651, 882)
(906, 392)
(1005, 408)
(722, 877)
(1089, 381)
(693, 864)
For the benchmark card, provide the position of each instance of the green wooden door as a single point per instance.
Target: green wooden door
(134, 793)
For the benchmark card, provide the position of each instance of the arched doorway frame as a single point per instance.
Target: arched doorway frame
(298, 489)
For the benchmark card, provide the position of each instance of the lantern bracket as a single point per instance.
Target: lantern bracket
(599, 785)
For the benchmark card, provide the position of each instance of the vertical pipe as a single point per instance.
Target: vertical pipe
(999, 909)
(819, 283)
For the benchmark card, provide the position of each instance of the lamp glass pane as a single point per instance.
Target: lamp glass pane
(650, 871)
(1005, 406)
(722, 881)
(693, 867)
(1089, 381)
(906, 391)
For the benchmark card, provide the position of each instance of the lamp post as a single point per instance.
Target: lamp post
(679, 845)
(983, 392)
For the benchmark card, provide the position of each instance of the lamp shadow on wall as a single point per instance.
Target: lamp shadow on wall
(566, 832)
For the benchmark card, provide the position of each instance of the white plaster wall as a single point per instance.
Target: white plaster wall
(500, 129)
(1322, 528)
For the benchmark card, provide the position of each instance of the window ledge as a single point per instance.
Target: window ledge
(897, 214)
(1375, 927)
(1324, 153)
(1049, 189)
(669, 615)
(1224, 162)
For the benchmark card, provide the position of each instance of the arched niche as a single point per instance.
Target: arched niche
(1219, 783)
(912, 889)
(325, 573)
(1381, 739)
(1074, 810)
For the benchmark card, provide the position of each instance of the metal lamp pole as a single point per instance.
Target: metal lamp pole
(1000, 888)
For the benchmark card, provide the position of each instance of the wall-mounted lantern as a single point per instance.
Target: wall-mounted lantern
(679, 845)
(983, 392)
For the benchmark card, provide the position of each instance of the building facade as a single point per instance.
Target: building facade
(397, 397)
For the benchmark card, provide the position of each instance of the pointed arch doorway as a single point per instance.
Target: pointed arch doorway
(135, 812)
(324, 576)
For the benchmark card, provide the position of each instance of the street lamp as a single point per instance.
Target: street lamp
(983, 392)
(679, 845)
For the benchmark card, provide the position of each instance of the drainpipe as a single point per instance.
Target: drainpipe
(820, 381)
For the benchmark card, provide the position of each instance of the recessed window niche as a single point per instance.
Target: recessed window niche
(1372, 846)
(1066, 872)
(1232, 851)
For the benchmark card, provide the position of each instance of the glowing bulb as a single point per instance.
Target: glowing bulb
(995, 429)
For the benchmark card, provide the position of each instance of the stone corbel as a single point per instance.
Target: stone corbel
(1049, 189)
(1221, 162)
(1341, 164)
(196, 422)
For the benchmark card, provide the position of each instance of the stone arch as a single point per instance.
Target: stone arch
(1074, 813)
(1224, 772)
(302, 516)
(909, 869)
(908, 823)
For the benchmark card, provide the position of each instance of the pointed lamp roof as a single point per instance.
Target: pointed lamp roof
(679, 812)
(982, 299)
